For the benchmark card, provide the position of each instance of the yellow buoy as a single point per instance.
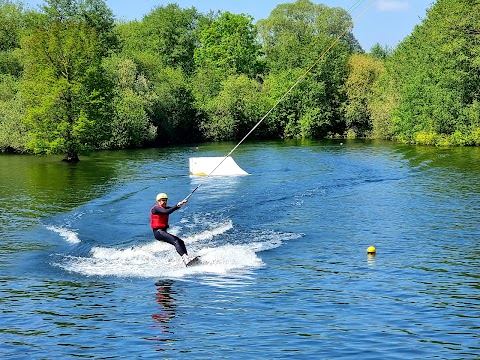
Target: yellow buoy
(371, 250)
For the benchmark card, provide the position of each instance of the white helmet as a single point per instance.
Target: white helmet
(162, 196)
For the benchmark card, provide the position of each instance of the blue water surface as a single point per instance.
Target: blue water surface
(285, 273)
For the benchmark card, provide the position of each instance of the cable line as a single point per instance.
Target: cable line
(320, 58)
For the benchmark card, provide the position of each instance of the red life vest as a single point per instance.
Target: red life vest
(158, 221)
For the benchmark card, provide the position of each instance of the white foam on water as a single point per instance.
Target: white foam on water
(68, 235)
(229, 257)
(138, 261)
(209, 234)
(157, 259)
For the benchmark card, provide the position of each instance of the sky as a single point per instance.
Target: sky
(386, 22)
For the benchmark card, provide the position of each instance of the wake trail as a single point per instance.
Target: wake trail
(156, 259)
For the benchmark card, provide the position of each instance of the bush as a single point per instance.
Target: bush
(424, 138)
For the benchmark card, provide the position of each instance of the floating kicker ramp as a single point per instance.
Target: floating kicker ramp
(215, 166)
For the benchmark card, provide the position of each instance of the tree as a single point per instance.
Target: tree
(66, 95)
(12, 23)
(380, 52)
(229, 44)
(173, 110)
(94, 14)
(12, 130)
(235, 110)
(364, 71)
(12, 133)
(381, 106)
(436, 73)
(295, 34)
(227, 58)
(165, 37)
(131, 125)
(162, 46)
(293, 37)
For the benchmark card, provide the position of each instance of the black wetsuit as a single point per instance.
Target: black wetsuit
(161, 234)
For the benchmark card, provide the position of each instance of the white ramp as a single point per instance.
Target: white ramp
(203, 166)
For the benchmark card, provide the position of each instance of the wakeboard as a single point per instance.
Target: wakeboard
(195, 261)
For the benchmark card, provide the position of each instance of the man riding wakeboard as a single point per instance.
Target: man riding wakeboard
(159, 214)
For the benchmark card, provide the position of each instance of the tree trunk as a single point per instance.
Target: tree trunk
(71, 157)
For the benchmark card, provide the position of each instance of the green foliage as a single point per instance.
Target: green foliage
(424, 138)
(12, 131)
(381, 105)
(63, 87)
(206, 84)
(295, 34)
(130, 125)
(227, 60)
(436, 74)
(364, 70)
(313, 123)
(11, 26)
(167, 36)
(282, 121)
(380, 52)
(173, 112)
(71, 79)
(235, 110)
(94, 14)
(162, 46)
(294, 37)
(229, 44)
(455, 139)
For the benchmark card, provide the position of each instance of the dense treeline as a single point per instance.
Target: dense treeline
(73, 80)
(429, 89)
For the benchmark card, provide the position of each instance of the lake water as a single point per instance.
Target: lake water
(285, 272)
